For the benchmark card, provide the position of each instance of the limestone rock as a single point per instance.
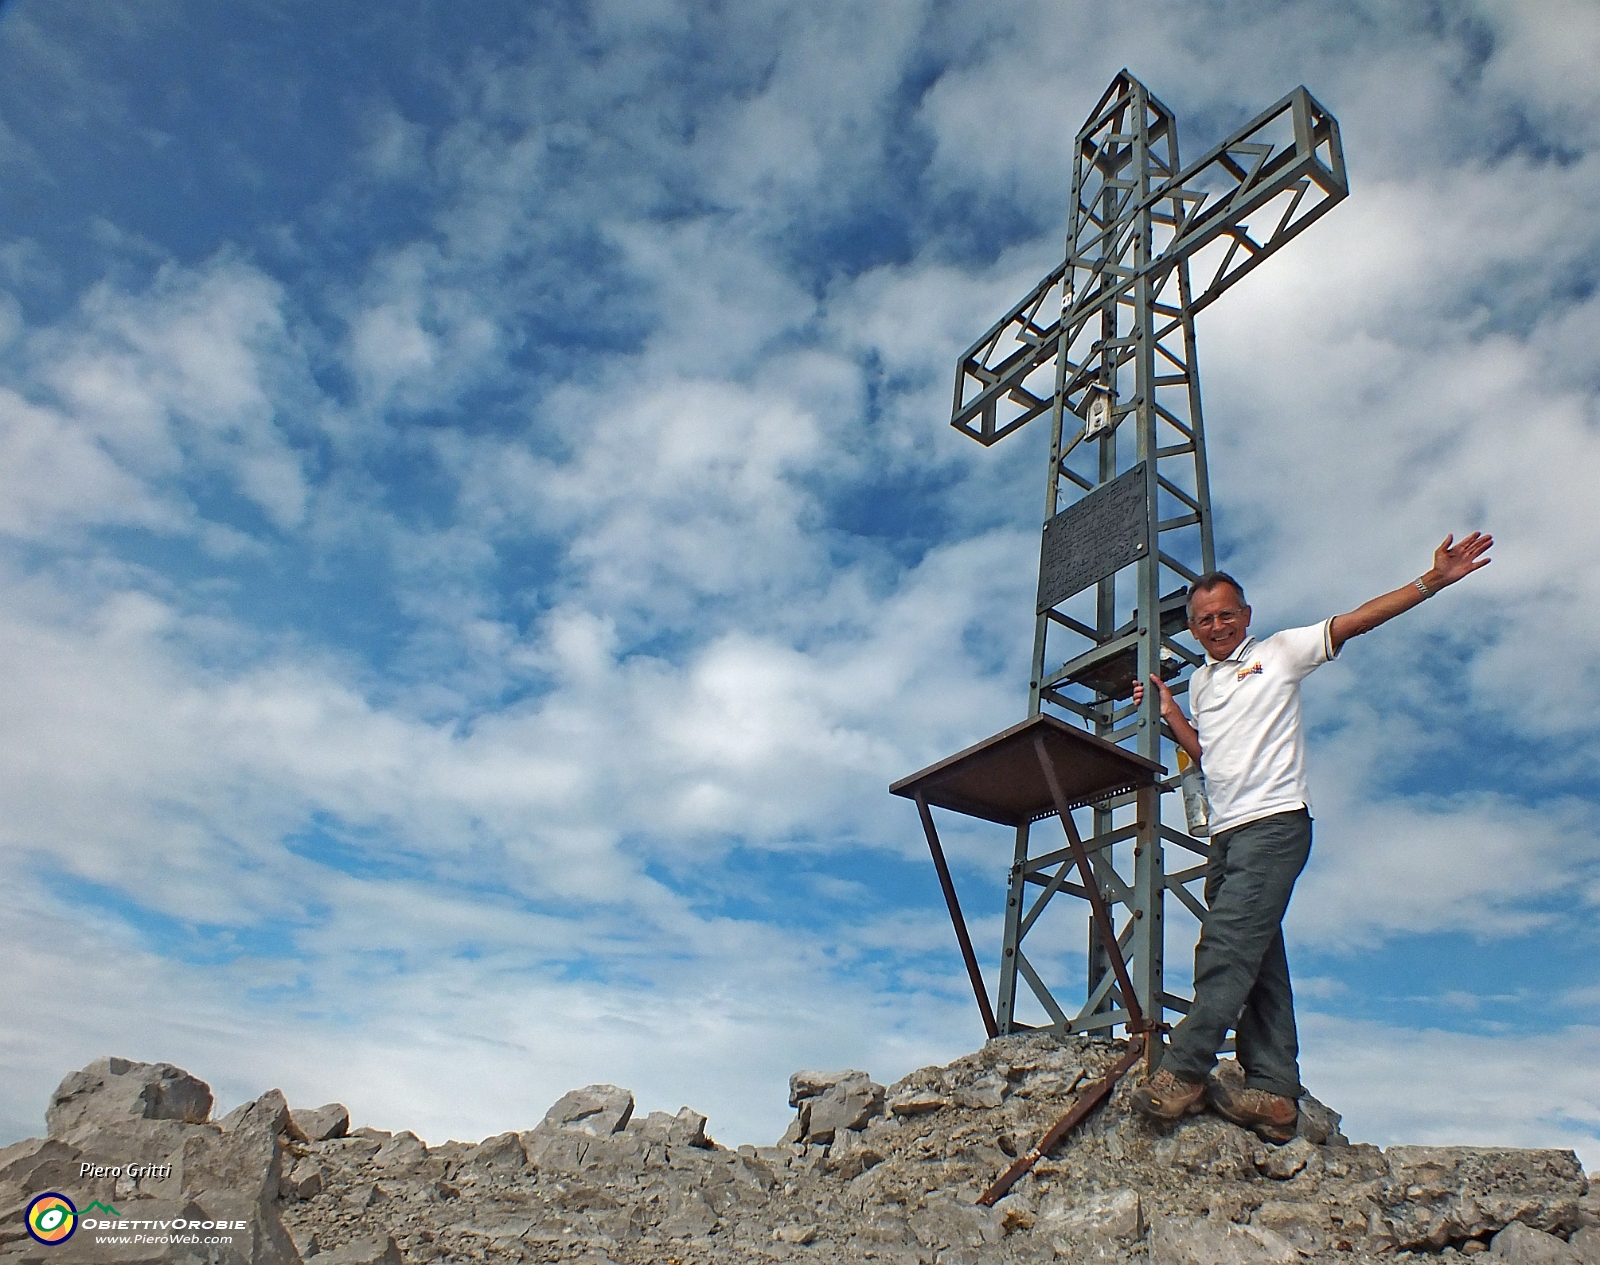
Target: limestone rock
(39, 1164)
(502, 1153)
(919, 1102)
(247, 1162)
(597, 1109)
(1518, 1245)
(1319, 1124)
(1306, 1226)
(1203, 1241)
(405, 1150)
(1116, 1215)
(1210, 1146)
(321, 1123)
(886, 1175)
(264, 1240)
(687, 1128)
(114, 1090)
(363, 1252)
(270, 1111)
(988, 1091)
(1437, 1195)
(305, 1180)
(944, 1223)
(852, 1154)
(237, 1176)
(847, 1100)
(809, 1084)
(1283, 1162)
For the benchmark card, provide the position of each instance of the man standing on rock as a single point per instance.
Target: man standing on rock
(1246, 701)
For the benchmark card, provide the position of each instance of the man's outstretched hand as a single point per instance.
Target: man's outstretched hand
(1452, 562)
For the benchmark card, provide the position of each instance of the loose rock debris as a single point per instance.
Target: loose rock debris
(864, 1173)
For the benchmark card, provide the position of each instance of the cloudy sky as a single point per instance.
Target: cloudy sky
(480, 531)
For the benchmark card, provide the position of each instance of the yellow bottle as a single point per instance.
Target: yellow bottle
(1196, 807)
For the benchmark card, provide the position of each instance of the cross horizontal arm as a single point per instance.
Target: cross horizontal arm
(1225, 214)
(1263, 161)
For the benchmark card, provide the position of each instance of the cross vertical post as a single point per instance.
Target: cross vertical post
(1106, 345)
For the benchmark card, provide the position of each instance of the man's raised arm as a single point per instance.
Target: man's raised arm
(1451, 562)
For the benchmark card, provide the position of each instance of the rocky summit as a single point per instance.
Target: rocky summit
(863, 1173)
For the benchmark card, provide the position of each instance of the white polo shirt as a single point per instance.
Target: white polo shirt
(1247, 710)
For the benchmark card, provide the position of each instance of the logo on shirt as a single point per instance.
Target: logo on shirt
(1255, 669)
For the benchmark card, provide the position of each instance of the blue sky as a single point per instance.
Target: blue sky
(480, 533)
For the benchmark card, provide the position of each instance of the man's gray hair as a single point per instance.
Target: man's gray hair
(1212, 580)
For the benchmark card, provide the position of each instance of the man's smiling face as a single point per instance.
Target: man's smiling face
(1219, 619)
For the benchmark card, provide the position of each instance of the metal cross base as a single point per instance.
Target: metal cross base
(1040, 768)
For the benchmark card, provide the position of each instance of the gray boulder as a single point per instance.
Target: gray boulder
(943, 1223)
(1518, 1245)
(113, 1091)
(918, 1102)
(39, 1163)
(1114, 1215)
(811, 1084)
(1283, 1162)
(597, 1109)
(321, 1123)
(1437, 1195)
(687, 1128)
(853, 1153)
(1208, 1146)
(305, 1180)
(502, 1153)
(363, 1252)
(830, 1101)
(1307, 1226)
(405, 1151)
(270, 1111)
(239, 1176)
(1204, 1241)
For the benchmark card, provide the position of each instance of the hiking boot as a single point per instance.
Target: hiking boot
(1168, 1097)
(1272, 1117)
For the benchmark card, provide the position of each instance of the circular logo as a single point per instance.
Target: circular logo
(52, 1218)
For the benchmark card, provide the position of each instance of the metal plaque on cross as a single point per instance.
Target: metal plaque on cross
(1094, 537)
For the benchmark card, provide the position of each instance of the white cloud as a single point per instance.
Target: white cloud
(55, 476)
(1432, 1088)
(1542, 58)
(194, 369)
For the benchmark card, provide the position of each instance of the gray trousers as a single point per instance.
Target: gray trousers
(1241, 971)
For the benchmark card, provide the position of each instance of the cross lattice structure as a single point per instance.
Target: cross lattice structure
(1105, 347)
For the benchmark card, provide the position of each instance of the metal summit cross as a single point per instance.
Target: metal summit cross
(1104, 346)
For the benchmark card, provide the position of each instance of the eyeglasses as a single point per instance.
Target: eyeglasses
(1217, 618)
